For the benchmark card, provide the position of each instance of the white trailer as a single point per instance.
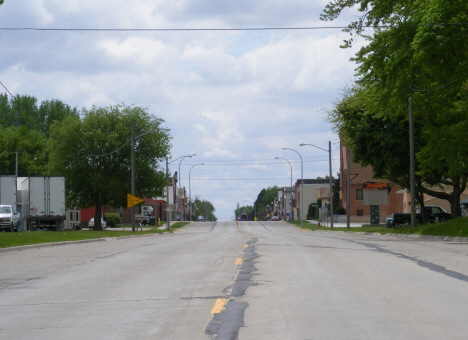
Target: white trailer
(8, 190)
(44, 203)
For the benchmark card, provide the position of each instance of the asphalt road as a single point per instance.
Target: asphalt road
(264, 280)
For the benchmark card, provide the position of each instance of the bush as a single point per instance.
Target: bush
(312, 211)
(340, 211)
(112, 219)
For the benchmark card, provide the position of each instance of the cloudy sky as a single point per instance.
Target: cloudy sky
(233, 97)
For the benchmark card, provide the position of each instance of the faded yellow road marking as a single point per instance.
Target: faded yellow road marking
(246, 245)
(239, 262)
(218, 306)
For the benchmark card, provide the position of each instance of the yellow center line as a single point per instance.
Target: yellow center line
(246, 246)
(239, 262)
(219, 306)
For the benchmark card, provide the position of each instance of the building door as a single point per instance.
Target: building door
(374, 213)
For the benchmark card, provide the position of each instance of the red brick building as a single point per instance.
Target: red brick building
(361, 180)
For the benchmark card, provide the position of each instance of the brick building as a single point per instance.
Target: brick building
(361, 180)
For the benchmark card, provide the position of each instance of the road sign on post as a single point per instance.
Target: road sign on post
(132, 200)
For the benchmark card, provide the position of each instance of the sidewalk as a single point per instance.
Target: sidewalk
(336, 224)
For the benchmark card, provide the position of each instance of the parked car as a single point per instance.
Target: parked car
(434, 214)
(91, 224)
(274, 218)
(201, 218)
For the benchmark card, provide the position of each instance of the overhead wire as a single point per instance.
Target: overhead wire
(216, 29)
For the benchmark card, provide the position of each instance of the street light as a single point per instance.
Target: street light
(167, 188)
(180, 188)
(331, 178)
(190, 189)
(290, 204)
(302, 187)
(167, 191)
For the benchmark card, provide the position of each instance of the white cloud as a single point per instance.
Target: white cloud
(231, 97)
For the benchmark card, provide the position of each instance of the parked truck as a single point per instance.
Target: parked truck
(146, 211)
(10, 218)
(434, 214)
(43, 203)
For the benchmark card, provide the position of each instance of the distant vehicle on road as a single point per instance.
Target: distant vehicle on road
(91, 224)
(243, 217)
(274, 218)
(201, 218)
(434, 214)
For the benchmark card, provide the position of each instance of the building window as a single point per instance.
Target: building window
(359, 195)
(359, 212)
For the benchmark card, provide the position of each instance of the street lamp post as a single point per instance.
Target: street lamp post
(331, 178)
(302, 187)
(180, 188)
(190, 189)
(167, 191)
(290, 204)
(132, 174)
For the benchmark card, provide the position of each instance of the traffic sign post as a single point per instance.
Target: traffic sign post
(132, 200)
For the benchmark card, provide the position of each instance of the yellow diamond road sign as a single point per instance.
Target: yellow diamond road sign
(132, 200)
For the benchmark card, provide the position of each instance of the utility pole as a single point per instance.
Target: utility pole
(167, 197)
(16, 163)
(412, 165)
(133, 173)
(331, 184)
(348, 188)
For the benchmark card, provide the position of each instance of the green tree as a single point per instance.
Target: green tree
(31, 146)
(423, 47)
(203, 208)
(270, 194)
(93, 153)
(312, 211)
(25, 111)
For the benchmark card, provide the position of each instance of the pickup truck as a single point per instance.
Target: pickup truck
(434, 214)
(9, 218)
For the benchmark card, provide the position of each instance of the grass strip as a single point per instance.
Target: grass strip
(36, 237)
(453, 228)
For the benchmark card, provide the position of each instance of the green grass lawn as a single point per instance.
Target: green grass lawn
(36, 237)
(458, 228)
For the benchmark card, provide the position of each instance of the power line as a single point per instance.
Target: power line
(215, 29)
(239, 179)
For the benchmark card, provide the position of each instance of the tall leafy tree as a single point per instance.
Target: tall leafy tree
(94, 154)
(419, 46)
(23, 110)
(31, 146)
(203, 208)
